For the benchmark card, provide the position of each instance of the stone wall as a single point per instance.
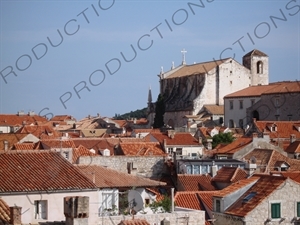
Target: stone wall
(147, 166)
(178, 218)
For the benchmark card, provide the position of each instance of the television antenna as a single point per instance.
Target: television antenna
(135, 201)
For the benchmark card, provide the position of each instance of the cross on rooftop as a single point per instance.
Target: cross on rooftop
(183, 51)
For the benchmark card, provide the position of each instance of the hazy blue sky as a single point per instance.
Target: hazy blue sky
(95, 33)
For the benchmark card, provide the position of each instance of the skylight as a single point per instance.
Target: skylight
(249, 196)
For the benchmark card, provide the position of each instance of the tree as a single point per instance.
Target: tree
(222, 138)
(159, 112)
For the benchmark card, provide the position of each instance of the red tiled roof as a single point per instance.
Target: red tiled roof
(97, 143)
(4, 212)
(264, 186)
(16, 120)
(295, 175)
(267, 160)
(284, 128)
(142, 148)
(40, 131)
(57, 144)
(179, 139)
(26, 146)
(39, 171)
(187, 199)
(215, 109)
(11, 138)
(195, 182)
(194, 69)
(134, 222)
(235, 146)
(62, 118)
(272, 88)
(81, 151)
(236, 186)
(109, 178)
(229, 175)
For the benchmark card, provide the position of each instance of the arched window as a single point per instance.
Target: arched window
(259, 67)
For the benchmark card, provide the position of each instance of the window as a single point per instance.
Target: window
(259, 66)
(231, 104)
(189, 169)
(218, 206)
(196, 169)
(275, 211)
(252, 102)
(241, 104)
(40, 209)
(170, 150)
(298, 209)
(178, 151)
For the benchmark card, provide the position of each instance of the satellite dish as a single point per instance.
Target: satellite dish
(135, 200)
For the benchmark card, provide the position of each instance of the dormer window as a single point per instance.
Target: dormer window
(272, 127)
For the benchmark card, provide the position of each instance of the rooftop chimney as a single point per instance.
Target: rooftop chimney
(292, 138)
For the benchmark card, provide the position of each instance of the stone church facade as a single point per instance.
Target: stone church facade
(187, 88)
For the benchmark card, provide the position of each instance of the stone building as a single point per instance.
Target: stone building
(261, 199)
(273, 102)
(187, 88)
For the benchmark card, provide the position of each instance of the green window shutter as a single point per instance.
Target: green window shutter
(298, 209)
(275, 210)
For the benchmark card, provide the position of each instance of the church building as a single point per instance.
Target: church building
(189, 88)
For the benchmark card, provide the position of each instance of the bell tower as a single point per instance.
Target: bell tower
(258, 64)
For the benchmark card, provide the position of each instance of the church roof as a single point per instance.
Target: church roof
(255, 52)
(199, 68)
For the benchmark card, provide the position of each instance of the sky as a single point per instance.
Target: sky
(81, 58)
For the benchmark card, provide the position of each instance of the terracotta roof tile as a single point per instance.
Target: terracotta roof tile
(4, 212)
(39, 171)
(195, 182)
(97, 143)
(142, 148)
(11, 138)
(199, 68)
(283, 128)
(294, 175)
(215, 109)
(179, 139)
(40, 131)
(16, 120)
(235, 146)
(134, 222)
(109, 178)
(267, 160)
(272, 88)
(81, 151)
(187, 199)
(62, 118)
(57, 144)
(236, 186)
(229, 175)
(264, 186)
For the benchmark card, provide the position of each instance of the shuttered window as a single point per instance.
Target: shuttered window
(275, 210)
